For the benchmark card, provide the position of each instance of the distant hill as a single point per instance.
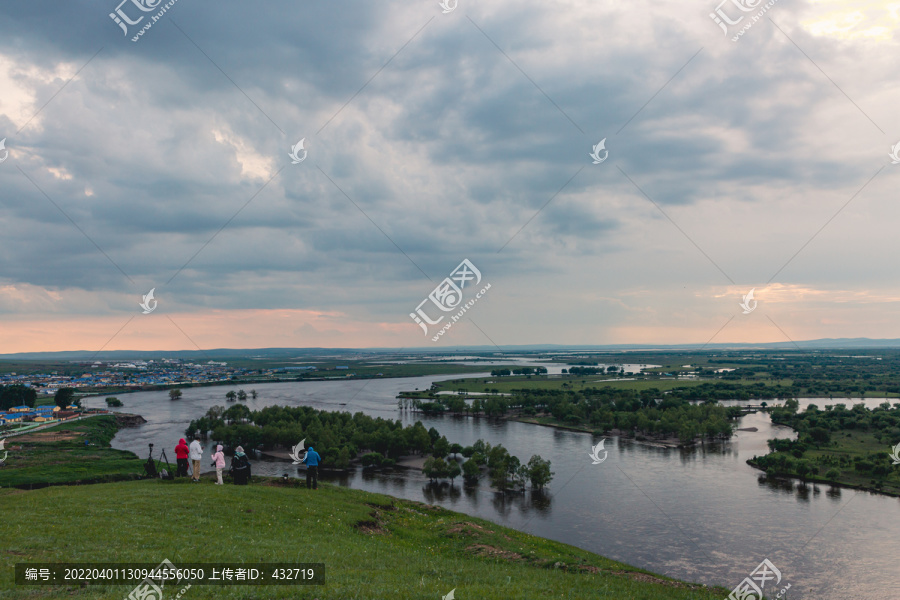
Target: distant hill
(219, 353)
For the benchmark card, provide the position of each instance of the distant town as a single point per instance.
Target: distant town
(99, 376)
(30, 418)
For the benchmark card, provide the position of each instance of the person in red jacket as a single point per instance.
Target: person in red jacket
(181, 454)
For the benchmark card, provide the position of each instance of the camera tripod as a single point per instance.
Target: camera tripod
(153, 469)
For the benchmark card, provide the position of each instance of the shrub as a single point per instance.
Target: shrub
(372, 459)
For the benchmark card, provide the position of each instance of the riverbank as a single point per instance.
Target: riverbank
(372, 546)
(381, 371)
(666, 442)
(71, 452)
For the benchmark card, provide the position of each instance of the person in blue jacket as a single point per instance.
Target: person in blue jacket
(312, 461)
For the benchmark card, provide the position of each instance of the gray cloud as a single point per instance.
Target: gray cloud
(449, 150)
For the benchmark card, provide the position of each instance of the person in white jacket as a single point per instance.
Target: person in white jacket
(196, 453)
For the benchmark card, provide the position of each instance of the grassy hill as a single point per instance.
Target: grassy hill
(373, 546)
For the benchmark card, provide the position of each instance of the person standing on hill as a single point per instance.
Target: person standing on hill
(181, 456)
(240, 467)
(312, 461)
(219, 463)
(196, 455)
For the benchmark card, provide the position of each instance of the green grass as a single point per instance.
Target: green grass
(409, 551)
(69, 461)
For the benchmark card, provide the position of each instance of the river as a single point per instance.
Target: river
(700, 514)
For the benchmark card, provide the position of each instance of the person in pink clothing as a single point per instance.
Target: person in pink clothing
(219, 463)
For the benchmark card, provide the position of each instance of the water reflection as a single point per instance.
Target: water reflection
(471, 492)
(437, 492)
(778, 484)
(539, 501)
(503, 503)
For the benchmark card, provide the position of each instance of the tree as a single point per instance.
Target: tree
(175, 394)
(343, 460)
(470, 471)
(441, 447)
(231, 396)
(65, 397)
(820, 435)
(434, 434)
(453, 470)
(253, 394)
(241, 395)
(428, 468)
(514, 473)
(496, 456)
(111, 402)
(457, 405)
(520, 476)
(539, 472)
(237, 413)
(499, 476)
(435, 468)
(421, 441)
(455, 448)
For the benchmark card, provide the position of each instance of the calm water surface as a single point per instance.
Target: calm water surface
(701, 514)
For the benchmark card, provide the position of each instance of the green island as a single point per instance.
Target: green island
(361, 537)
(646, 415)
(676, 404)
(838, 445)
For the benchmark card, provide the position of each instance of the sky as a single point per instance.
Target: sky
(729, 158)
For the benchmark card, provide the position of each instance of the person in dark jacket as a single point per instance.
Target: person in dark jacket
(312, 461)
(181, 456)
(240, 467)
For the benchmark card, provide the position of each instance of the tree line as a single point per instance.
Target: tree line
(338, 436)
(17, 395)
(646, 412)
(519, 371)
